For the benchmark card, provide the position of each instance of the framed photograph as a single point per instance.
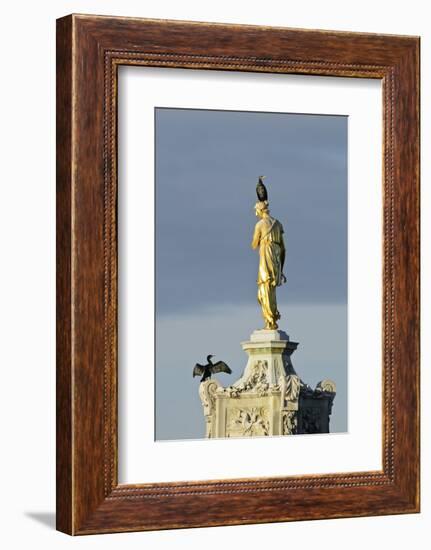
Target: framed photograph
(237, 274)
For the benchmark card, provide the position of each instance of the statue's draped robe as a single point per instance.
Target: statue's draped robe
(268, 235)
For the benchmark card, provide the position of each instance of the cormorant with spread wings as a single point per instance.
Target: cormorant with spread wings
(210, 368)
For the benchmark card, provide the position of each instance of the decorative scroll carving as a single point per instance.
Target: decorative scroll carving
(327, 386)
(207, 390)
(247, 422)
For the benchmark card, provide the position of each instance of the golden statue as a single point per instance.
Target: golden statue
(268, 236)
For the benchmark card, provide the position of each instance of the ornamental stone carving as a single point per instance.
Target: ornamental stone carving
(207, 392)
(290, 422)
(258, 378)
(326, 386)
(269, 399)
(247, 422)
(290, 387)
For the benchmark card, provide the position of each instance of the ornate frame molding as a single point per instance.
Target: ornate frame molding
(90, 49)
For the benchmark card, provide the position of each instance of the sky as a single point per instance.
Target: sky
(207, 166)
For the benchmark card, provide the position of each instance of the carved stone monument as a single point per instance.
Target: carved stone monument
(269, 398)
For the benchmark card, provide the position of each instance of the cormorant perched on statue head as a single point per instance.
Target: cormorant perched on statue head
(262, 193)
(210, 368)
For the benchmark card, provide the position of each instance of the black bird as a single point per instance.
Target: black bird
(262, 193)
(210, 368)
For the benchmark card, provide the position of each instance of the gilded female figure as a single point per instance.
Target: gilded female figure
(268, 236)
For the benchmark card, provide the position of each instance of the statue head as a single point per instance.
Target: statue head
(261, 208)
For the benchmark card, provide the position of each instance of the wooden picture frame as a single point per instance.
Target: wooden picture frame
(89, 51)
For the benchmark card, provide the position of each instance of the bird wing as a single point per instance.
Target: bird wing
(220, 366)
(198, 370)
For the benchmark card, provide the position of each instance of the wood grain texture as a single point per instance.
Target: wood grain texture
(90, 49)
(64, 497)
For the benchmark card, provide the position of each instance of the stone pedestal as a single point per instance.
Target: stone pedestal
(272, 348)
(265, 400)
